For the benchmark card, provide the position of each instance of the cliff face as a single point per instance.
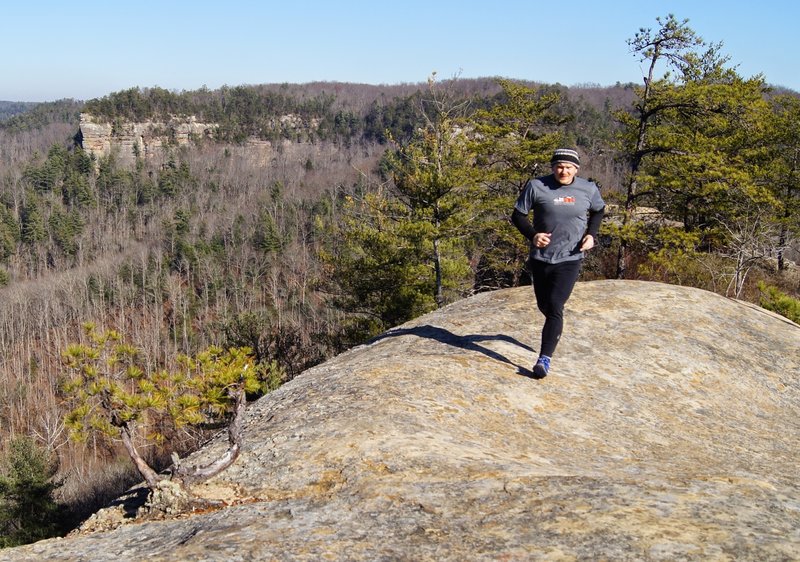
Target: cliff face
(151, 139)
(148, 139)
(668, 429)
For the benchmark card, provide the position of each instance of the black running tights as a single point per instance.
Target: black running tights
(553, 284)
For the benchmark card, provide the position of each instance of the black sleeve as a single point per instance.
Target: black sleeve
(523, 224)
(595, 218)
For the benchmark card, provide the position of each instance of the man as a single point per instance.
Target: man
(567, 211)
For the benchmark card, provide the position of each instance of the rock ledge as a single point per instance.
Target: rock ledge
(669, 429)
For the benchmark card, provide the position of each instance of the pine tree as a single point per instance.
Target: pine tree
(28, 509)
(512, 142)
(404, 245)
(689, 141)
(784, 168)
(33, 228)
(113, 394)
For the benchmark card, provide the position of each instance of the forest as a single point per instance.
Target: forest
(378, 204)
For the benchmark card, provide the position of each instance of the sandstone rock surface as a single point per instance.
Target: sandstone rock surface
(151, 140)
(668, 429)
(148, 138)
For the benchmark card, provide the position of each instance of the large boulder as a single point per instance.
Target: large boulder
(668, 429)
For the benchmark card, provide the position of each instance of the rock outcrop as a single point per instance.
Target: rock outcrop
(668, 429)
(151, 140)
(147, 139)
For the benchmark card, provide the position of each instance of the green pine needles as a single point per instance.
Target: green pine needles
(113, 392)
(28, 509)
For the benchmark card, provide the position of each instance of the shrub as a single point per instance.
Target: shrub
(781, 303)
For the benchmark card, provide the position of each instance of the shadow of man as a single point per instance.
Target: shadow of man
(468, 343)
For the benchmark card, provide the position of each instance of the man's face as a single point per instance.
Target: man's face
(564, 172)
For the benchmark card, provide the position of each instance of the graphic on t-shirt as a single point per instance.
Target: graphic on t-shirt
(568, 200)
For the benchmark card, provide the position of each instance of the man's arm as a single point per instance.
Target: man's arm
(523, 224)
(595, 218)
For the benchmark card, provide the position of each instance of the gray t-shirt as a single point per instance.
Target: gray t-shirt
(562, 211)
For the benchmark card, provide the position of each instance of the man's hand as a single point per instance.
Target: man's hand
(587, 243)
(541, 239)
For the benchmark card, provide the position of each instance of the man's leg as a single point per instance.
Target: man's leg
(561, 280)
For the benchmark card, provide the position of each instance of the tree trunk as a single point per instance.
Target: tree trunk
(781, 245)
(144, 469)
(234, 445)
(437, 266)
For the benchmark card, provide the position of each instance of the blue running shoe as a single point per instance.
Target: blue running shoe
(541, 367)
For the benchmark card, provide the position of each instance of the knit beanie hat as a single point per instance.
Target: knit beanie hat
(566, 155)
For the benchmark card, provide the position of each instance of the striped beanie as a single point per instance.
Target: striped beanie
(566, 155)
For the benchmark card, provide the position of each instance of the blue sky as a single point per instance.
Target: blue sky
(82, 50)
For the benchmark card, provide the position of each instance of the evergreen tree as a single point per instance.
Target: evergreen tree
(512, 141)
(784, 169)
(48, 176)
(437, 200)
(9, 233)
(28, 510)
(375, 269)
(689, 141)
(112, 394)
(33, 226)
(405, 245)
(65, 228)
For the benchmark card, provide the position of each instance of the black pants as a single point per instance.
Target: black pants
(553, 284)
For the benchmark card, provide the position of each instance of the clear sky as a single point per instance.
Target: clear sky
(54, 49)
